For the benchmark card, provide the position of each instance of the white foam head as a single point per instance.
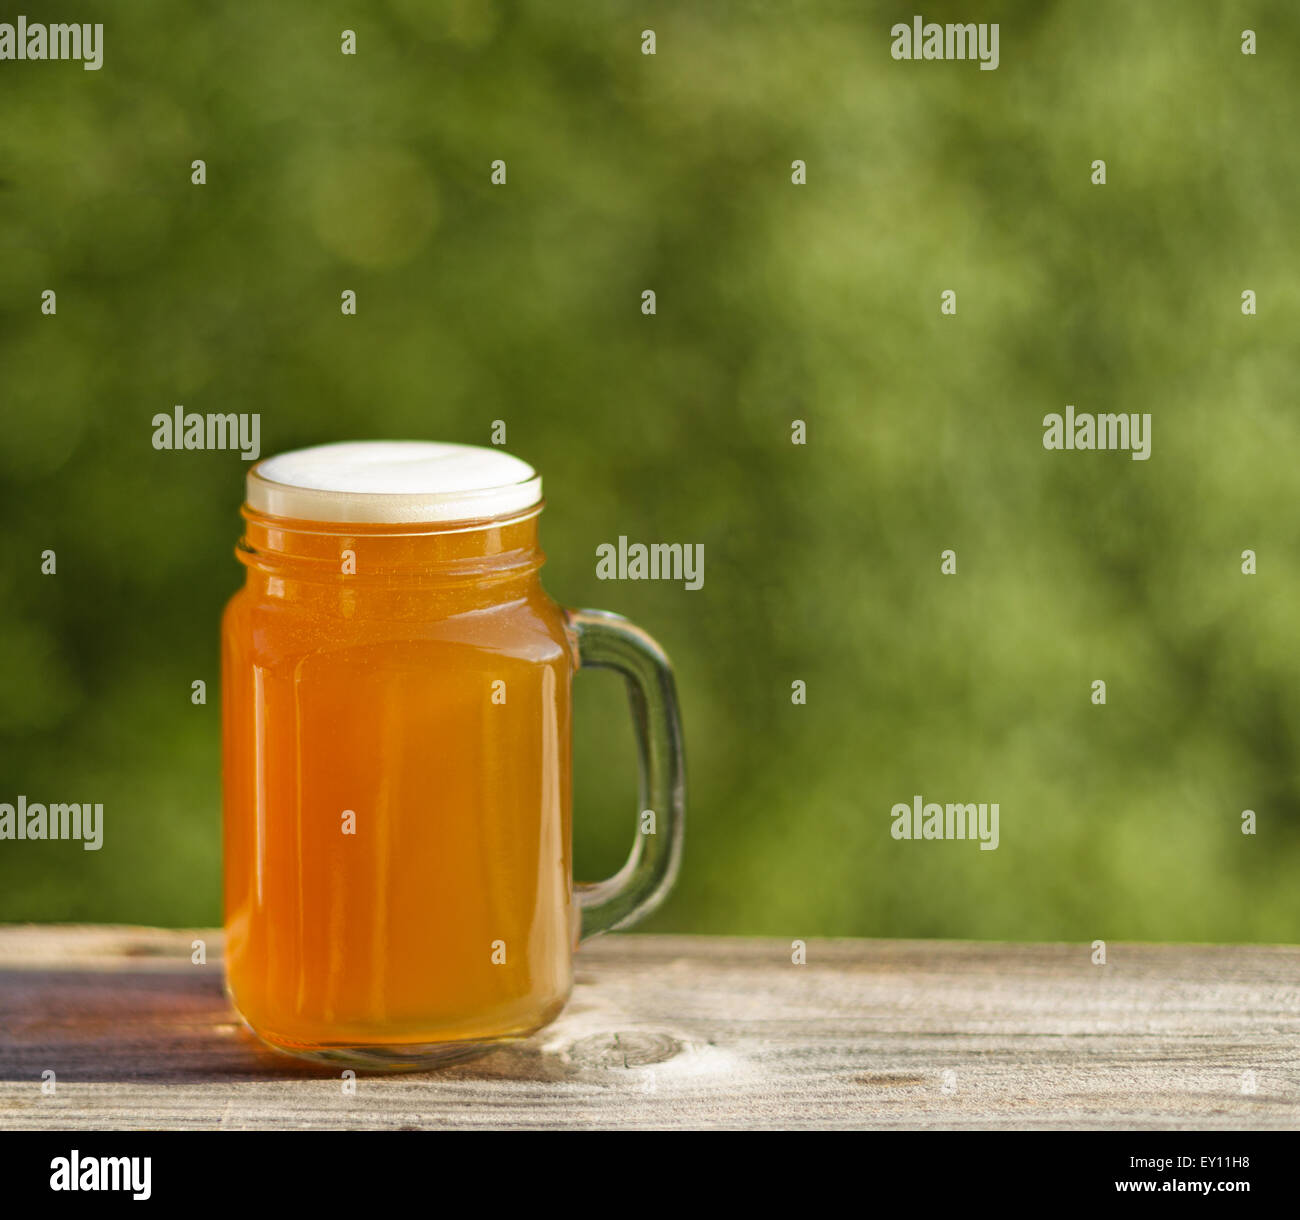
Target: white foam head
(393, 481)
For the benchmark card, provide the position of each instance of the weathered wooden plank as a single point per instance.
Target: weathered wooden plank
(680, 1031)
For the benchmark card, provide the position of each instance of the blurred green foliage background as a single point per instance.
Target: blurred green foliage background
(776, 302)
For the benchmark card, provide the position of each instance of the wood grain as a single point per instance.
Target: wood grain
(668, 1031)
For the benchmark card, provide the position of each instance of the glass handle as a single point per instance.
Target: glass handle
(609, 641)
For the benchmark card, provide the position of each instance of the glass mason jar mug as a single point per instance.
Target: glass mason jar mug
(396, 725)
